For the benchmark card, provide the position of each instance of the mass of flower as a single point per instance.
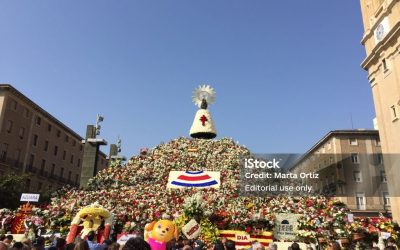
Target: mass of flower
(136, 194)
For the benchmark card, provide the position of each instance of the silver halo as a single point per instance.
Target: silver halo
(203, 92)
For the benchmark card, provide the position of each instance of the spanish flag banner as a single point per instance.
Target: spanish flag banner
(243, 239)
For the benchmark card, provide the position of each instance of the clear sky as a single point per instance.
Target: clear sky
(285, 72)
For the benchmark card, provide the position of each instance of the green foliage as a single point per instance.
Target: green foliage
(11, 187)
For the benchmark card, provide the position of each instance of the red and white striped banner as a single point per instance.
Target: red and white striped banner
(243, 239)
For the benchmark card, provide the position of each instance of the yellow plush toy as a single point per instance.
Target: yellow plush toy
(91, 217)
(157, 234)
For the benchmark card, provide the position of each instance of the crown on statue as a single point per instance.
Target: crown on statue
(203, 95)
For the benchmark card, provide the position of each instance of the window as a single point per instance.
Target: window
(43, 165)
(379, 159)
(46, 146)
(21, 133)
(53, 166)
(73, 143)
(58, 133)
(69, 175)
(49, 127)
(357, 176)
(64, 154)
(3, 152)
(31, 160)
(38, 120)
(76, 179)
(39, 187)
(50, 187)
(353, 142)
(17, 156)
(66, 138)
(28, 184)
(62, 172)
(72, 159)
(383, 176)
(394, 112)
(386, 199)
(384, 65)
(9, 126)
(377, 142)
(35, 140)
(55, 150)
(26, 113)
(360, 201)
(80, 147)
(329, 146)
(13, 104)
(354, 158)
(79, 162)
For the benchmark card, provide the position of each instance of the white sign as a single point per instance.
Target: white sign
(191, 230)
(30, 197)
(124, 238)
(385, 235)
(350, 217)
(286, 226)
(193, 179)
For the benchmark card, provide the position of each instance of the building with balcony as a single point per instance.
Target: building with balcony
(35, 143)
(350, 166)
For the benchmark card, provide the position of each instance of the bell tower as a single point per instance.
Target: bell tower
(381, 39)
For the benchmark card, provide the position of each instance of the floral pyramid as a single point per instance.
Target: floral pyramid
(136, 194)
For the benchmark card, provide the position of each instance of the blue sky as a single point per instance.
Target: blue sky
(285, 72)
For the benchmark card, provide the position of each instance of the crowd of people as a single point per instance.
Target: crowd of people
(7, 242)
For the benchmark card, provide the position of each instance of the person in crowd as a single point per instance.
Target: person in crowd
(230, 245)
(18, 246)
(219, 245)
(3, 246)
(187, 247)
(198, 245)
(187, 243)
(60, 243)
(114, 246)
(39, 243)
(171, 244)
(8, 240)
(136, 243)
(81, 245)
(295, 246)
(334, 246)
(70, 246)
(257, 246)
(27, 242)
(108, 243)
(92, 244)
(273, 246)
(391, 243)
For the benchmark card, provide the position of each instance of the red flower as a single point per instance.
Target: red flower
(248, 229)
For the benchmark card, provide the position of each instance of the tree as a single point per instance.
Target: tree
(11, 187)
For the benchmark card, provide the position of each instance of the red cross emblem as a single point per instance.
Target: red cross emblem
(203, 120)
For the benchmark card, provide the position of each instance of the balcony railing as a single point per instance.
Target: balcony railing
(11, 162)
